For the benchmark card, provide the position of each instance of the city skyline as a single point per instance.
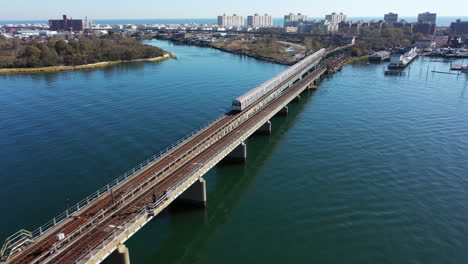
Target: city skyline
(145, 9)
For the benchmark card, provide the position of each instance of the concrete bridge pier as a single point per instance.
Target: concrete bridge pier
(194, 195)
(311, 86)
(283, 111)
(265, 129)
(120, 256)
(238, 155)
(297, 98)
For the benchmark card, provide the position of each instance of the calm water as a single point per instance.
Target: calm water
(368, 169)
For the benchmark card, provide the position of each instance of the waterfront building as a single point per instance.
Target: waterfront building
(293, 20)
(427, 17)
(260, 21)
(66, 24)
(391, 18)
(230, 21)
(336, 18)
(459, 27)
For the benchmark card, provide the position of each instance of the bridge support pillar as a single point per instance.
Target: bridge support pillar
(311, 86)
(283, 111)
(119, 256)
(265, 129)
(238, 155)
(297, 99)
(195, 194)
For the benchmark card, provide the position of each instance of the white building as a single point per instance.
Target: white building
(336, 18)
(293, 19)
(230, 21)
(25, 33)
(391, 18)
(260, 21)
(324, 26)
(47, 33)
(427, 18)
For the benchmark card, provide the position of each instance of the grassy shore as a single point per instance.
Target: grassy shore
(81, 67)
(360, 59)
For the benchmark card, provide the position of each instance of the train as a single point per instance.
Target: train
(243, 101)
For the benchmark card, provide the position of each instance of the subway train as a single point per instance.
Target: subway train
(243, 101)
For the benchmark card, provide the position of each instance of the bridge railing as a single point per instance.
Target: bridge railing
(21, 235)
(170, 192)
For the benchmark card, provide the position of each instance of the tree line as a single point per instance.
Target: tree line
(15, 53)
(374, 39)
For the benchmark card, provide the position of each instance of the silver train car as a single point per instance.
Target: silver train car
(241, 102)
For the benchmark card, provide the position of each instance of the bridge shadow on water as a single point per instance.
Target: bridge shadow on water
(184, 235)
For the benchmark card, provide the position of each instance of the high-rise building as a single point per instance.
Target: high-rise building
(260, 21)
(293, 20)
(66, 24)
(426, 23)
(391, 18)
(459, 27)
(230, 21)
(427, 17)
(335, 18)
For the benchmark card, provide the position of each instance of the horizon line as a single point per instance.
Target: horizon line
(466, 16)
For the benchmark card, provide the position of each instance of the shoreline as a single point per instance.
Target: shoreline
(258, 57)
(91, 66)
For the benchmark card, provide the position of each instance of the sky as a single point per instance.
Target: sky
(142, 9)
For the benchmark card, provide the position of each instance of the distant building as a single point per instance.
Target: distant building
(230, 21)
(336, 18)
(24, 33)
(424, 44)
(323, 26)
(289, 30)
(459, 27)
(404, 25)
(427, 17)
(426, 24)
(293, 20)
(391, 18)
(67, 24)
(260, 21)
(455, 42)
(424, 28)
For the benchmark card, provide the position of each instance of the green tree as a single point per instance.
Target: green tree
(317, 31)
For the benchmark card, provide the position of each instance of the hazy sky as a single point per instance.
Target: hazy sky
(108, 9)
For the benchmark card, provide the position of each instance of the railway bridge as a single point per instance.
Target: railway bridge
(96, 228)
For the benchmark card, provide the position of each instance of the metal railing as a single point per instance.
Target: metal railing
(25, 234)
(22, 234)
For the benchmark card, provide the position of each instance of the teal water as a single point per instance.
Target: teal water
(368, 169)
